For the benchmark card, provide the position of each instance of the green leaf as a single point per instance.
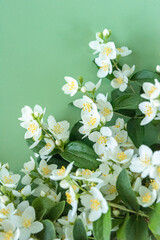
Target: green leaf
(152, 134)
(37, 148)
(48, 233)
(82, 155)
(42, 206)
(154, 220)
(121, 232)
(145, 76)
(79, 232)
(135, 131)
(102, 227)
(136, 228)
(125, 190)
(56, 211)
(127, 101)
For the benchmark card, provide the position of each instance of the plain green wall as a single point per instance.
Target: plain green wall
(41, 41)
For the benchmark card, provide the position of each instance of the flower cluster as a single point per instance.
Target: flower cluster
(106, 168)
(151, 107)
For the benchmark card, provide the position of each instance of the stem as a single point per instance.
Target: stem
(115, 64)
(115, 205)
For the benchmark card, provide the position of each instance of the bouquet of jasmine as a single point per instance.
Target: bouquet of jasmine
(101, 179)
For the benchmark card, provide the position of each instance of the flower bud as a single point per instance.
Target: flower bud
(103, 120)
(158, 68)
(105, 32)
(116, 212)
(4, 199)
(58, 142)
(42, 193)
(83, 89)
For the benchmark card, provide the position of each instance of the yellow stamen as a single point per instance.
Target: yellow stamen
(105, 111)
(48, 146)
(145, 159)
(46, 170)
(112, 189)
(120, 50)
(7, 179)
(5, 211)
(32, 128)
(119, 139)
(27, 223)
(121, 156)
(69, 198)
(146, 198)
(61, 171)
(87, 106)
(119, 80)
(92, 121)
(58, 129)
(71, 85)
(95, 204)
(102, 140)
(86, 172)
(153, 88)
(107, 51)
(154, 184)
(148, 111)
(104, 67)
(8, 235)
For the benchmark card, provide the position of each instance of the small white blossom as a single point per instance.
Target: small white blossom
(123, 51)
(149, 110)
(10, 232)
(46, 170)
(62, 173)
(48, 148)
(28, 166)
(147, 198)
(120, 81)
(152, 91)
(107, 51)
(105, 67)
(7, 179)
(90, 86)
(71, 87)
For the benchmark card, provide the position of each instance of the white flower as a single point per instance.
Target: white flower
(142, 163)
(102, 139)
(152, 91)
(87, 175)
(86, 104)
(28, 166)
(7, 179)
(147, 198)
(123, 51)
(106, 109)
(21, 208)
(127, 71)
(120, 81)
(9, 231)
(121, 137)
(95, 44)
(27, 223)
(58, 129)
(72, 200)
(89, 122)
(33, 130)
(154, 185)
(105, 67)
(105, 32)
(28, 113)
(119, 125)
(155, 170)
(149, 110)
(26, 180)
(62, 173)
(6, 211)
(90, 86)
(46, 170)
(71, 87)
(158, 68)
(95, 203)
(120, 156)
(48, 148)
(109, 189)
(107, 51)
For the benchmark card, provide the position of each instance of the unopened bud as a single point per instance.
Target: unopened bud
(42, 193)
(116, 212)
(58, 142)
(158, 68)
(36, 114)
(103, 120)
(81, 79)
(4, 199)
(105, 32)
(83, 89)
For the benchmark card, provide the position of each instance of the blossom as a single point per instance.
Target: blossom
(62, 173)
(123, 51)
(152, 91)
(147, 197)
(87, 175)
(28, 166)
(6, 211)
(121, 137)
(120, 156)
(10, 232)
(46, 170)
(72, 200)
(95, 203)
(119, 125)
(71, 87)
(105, 67)
(7, 179)
(86, 104)
(102, 139)
(120, 81)
(107, 51)
(155, 170)
(142, 163)
(127, 71)
(28, 114)
(27, 224)
(149, 110)
(95, 45)
(106, 109)
(33, 130)
(90, 86)
(58, 129)
(48, 148)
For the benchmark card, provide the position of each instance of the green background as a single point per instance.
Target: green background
(41, 41)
